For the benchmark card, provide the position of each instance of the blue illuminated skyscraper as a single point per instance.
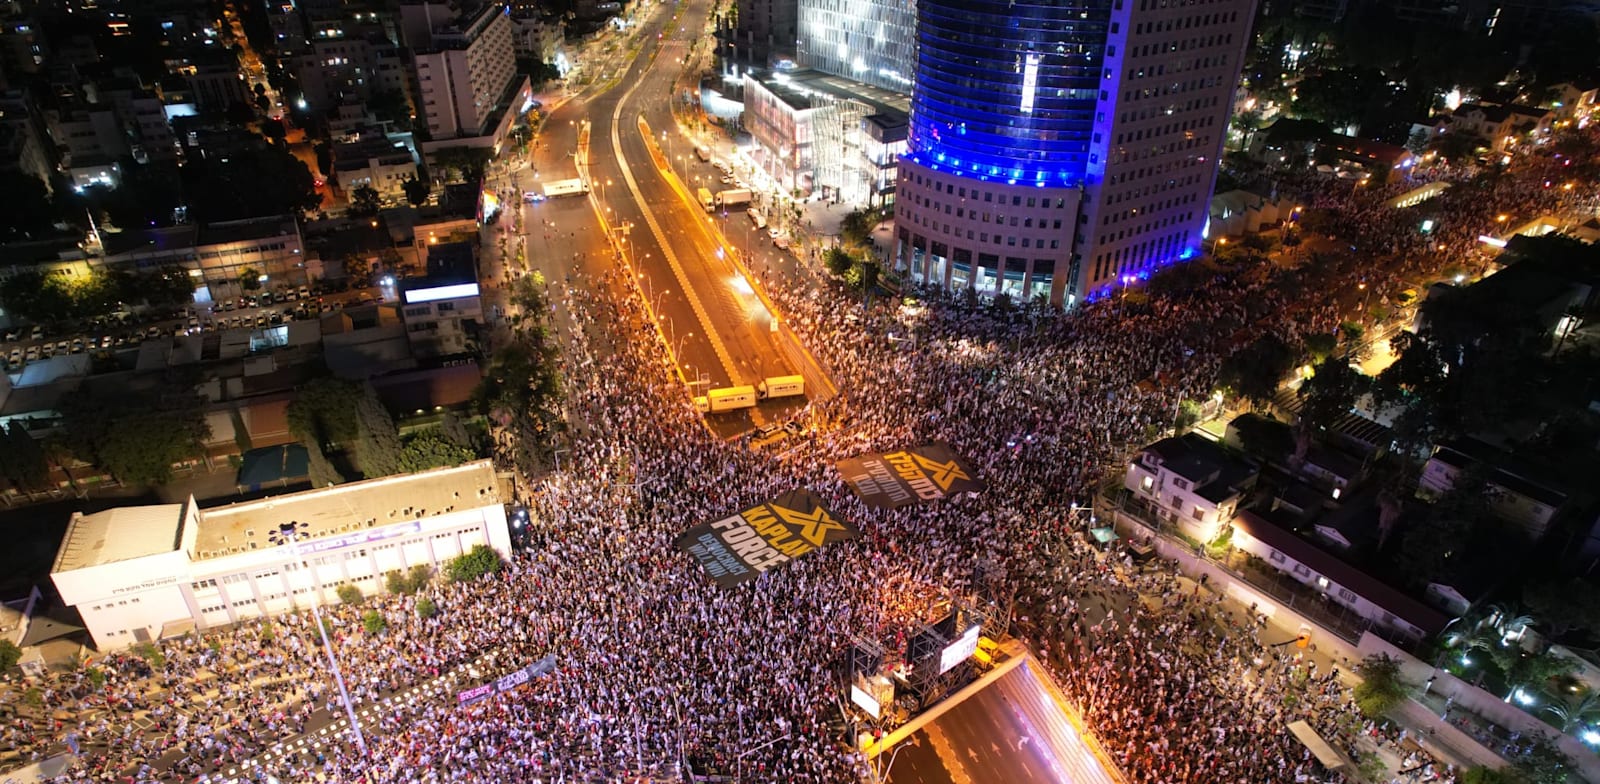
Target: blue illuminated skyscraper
(1060, 147)
(1007, 89)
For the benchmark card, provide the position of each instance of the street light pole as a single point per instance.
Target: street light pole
(288, 534)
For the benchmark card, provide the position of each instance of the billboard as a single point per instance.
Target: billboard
(743, 545)
(909, 476)
(865, 701)
(960, 650)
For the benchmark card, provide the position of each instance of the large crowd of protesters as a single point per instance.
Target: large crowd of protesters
(659, 668)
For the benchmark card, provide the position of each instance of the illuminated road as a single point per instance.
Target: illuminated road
(715, 322)
(1012, 731)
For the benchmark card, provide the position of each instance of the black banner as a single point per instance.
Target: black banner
(909, 476)
(742, 546)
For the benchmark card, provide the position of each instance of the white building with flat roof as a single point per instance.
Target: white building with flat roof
(145, 572)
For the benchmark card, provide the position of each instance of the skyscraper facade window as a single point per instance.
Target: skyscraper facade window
(871, 41)
(1059, 147)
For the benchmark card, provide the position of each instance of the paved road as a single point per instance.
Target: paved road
(716, 324)
(1011, 731)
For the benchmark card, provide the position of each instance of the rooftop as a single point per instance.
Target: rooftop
(1214, 472)
(798, 88)
(1335, 569)
(119, 534)
(347, 507)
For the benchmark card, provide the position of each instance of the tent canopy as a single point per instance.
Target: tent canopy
(1325, 754)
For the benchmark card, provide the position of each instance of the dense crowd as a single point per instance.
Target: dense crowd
(658, 666)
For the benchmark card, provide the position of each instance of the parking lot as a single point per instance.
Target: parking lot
(21, 345)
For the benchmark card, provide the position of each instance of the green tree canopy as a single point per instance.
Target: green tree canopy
(430, 448)
(1255, 371)
(324, 411)
(9, 655)
(249, 183)
(1380, 689)
(380, 452)
(136, 436)
(477, 562)
(1563, 605)
(365, 201)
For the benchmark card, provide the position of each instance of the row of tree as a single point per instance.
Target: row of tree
(47, 298)
(522, 392)
(333, 415)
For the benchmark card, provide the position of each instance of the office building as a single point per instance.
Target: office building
(141, 573)
(871, 41)
(816, 132)
(1060, 147)
(760, 33)
(468, 91)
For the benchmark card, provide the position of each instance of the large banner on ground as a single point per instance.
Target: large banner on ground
(743, 545)
(909, 476)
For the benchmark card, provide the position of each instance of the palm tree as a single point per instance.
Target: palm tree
(1572, 714)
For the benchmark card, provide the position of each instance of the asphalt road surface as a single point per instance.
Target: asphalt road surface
(716, 324)
(1011, 731)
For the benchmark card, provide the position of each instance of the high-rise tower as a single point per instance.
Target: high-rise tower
(1059, 146)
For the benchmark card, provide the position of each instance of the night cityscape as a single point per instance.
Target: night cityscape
(800, 391)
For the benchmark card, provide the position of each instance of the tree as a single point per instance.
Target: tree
(1255, 371)
(136, 437)
(349, 594)
(453, 429)
(1571, 715)
(380, 452)
(9, 655)
(1530, 671)
(1320, 346)
(838, 261)
(25, 460)
(391, 106)
(431, 449)
(323, 411)
(365, 202)
(466, 163)
(1564, 605)
(249, 279)
(1487, 775)
(249, 183)
(1436, 543)
(1417, 143)
(29, 213)
(862, 275)
(477, 562)
(857, 226)
(321, 471)
(1543, 763)
(372, 621)
(1380, 688)
(143, 449)
(417, 191)
(167, 287)
(426, 608)
(1329, 394)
